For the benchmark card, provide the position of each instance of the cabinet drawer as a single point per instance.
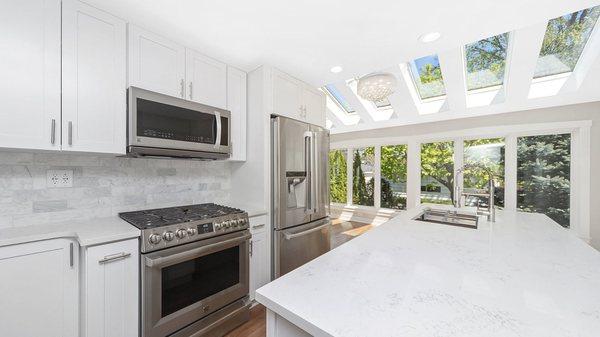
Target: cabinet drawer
(258, 224)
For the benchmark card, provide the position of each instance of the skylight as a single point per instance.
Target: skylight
(427, 75)
(564, 42)
(486, 62)
(338, 98)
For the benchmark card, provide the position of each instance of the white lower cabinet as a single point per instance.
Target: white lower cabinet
(38, 289)
(109, 294)
(260, 254)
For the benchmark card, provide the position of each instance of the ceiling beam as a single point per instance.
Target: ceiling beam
(334, 119)
(401, 100)
(355, 102)
(453, 72)
(523, 54)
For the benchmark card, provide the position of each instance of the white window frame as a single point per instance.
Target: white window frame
(579, 175)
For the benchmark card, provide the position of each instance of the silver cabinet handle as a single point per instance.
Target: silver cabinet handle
(114, 257)
(70, 133)
(218, 135)
(53, 132)
(182, 84)
(71, 255)
(191, 90)
(258, 226)
(251, 247)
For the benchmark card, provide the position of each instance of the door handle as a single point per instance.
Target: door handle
(314, 176)
(289, 236)
(218, 135)
(53, 131)
(308, 168)
(114, 257)
(70, 133)
(191, 90)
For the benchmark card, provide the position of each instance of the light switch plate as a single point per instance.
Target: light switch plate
(59, 178)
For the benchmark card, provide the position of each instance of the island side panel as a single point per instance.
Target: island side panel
(278, 326)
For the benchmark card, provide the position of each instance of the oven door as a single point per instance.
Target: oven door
(161, 121)
(181, 285)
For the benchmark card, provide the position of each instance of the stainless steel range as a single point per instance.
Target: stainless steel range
(194, 269)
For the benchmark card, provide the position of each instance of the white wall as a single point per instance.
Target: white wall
(587, 111)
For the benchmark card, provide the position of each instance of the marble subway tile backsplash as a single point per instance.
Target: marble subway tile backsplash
(103, 186)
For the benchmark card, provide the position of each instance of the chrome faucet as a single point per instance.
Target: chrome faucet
(490, 210)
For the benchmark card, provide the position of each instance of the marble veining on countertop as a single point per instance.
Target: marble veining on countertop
(521, 276)
(87, 232)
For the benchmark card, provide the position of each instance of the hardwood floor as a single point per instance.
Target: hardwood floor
(255, 327)
(341, 232)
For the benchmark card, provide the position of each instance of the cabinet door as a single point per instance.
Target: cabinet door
(206, 80)
(314, 105)
(260, 253)
(94, 80)
(30, 74)
(286, 96)
(38, 289)
(236, 103)
(156, 63)
(110, 293)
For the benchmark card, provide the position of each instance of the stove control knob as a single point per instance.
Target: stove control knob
(168, 236)
(191, 231)
(227, 224)
(154, 239)
(181, 233)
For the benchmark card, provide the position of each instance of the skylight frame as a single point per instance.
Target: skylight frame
(507, 57)
(550, 75)
(411, 65)
(335, 99)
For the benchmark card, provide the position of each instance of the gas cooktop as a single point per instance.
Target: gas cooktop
(153, 218)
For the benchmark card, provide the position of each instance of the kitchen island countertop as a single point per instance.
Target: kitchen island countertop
(523, 275)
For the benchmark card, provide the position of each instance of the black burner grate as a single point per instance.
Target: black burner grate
(158, 217)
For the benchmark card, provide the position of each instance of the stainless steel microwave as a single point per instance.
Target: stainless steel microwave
(165, 126)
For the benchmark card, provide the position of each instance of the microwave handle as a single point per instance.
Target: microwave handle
(218, 137)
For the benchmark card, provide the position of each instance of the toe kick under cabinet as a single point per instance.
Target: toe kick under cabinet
(109, 290)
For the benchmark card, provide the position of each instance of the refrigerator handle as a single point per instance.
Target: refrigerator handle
(308, 169)
(314, 176)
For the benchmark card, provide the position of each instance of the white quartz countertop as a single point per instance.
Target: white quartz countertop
(521, 276)
(87, 232)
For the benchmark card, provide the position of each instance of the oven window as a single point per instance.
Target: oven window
(188, 282)
(158, 120)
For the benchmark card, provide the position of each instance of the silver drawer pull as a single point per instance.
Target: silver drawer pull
(114, 257)
(258, 226)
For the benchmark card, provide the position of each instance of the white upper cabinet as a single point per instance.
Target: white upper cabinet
(155, 63)
(296, 99)
(110, 304)
(206, 80)
(314, 105)
(236, 103)
(94, 80)
(39, 289)
(30, 74)
(286, 95)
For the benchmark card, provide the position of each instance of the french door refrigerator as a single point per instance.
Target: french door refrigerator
(300, 193)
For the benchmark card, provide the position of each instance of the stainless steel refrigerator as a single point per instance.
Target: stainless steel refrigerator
(300, 193)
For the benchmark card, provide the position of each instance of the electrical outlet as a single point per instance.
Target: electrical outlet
(59, 178)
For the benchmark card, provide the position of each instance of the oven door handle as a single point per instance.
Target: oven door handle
(167, 260)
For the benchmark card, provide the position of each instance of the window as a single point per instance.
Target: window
(479, 155)
(486, 62)
(564, 41)
(437, 172)
(338, 175)
(338, 98)
(383, 104)
(393, 176)
(363, 184)
(427, 75)
(543, 175)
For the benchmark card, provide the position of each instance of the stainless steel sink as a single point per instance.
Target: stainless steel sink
(447, 217)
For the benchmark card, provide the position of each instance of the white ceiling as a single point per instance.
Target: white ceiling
(306, 38)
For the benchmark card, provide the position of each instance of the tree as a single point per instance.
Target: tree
(437, 162)
(489, 153)
(338, 176)
(393, 170)
(362, 194)
(543, 176)
(486, 57)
